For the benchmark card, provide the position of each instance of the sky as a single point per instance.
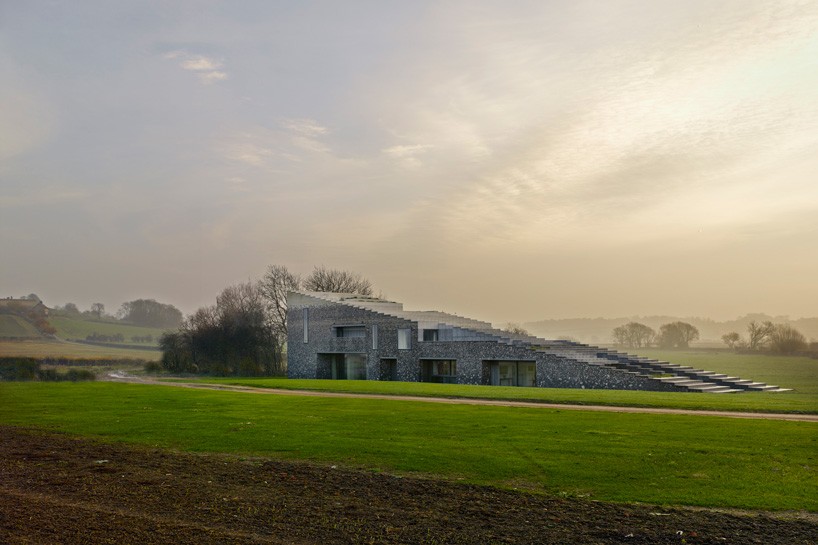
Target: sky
(507, 161)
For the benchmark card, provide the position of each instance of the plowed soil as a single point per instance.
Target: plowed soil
(56, 489)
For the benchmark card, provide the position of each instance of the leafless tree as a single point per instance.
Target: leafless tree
(336, 280)
(275, 285)
(98, 309)
(759, 334)
(634, 335)
(677, 335)
(516, 329)
(785, 339)
(731, 339)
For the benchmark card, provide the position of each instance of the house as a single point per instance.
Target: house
(347, 336)
(10, 305)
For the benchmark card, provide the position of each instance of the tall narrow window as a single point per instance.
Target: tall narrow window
(374, 336)
(306, 325)
(404, 338)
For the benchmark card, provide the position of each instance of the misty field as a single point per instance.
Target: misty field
(58, 349)
(73, 328)
(666, 459)
(796, 372)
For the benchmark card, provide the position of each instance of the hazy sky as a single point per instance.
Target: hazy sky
(502, 160)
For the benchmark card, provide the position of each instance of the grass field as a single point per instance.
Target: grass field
(761, 402)
(665, 459)
(73, 328)
(797, 372)
(793, 372)
(16, 327)
(57, 349)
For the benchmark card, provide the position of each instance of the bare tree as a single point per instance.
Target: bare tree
(677, 335)
(336, 280)
(634, 335)
(759, 334)
(516, 329)
(98, 309)
(785, 339)
(731, 339)
(275, 285)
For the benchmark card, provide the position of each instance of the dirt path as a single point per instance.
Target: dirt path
(469, 401)
(57, 489)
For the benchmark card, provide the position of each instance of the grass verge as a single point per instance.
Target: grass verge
(785, 402)
(665, 459)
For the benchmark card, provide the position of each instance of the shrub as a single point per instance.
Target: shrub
(25, 369)
(785, 339)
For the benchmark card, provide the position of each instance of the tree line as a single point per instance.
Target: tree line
(245, 332)
(140, 312)
(761, 337)
(672, 335)
(767, 337)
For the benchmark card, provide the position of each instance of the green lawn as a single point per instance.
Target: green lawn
(666, 459)
(752, 401)
(75, 328)
(797, 372)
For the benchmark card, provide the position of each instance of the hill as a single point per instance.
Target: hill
(15, 327)
(71, 328)
(598, 330)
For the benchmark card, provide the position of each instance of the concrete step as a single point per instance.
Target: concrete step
(726, 391)
(690, 383)
(711, 388)
(761, 387)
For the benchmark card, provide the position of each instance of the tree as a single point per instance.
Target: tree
(70, 309)
(278, 281)
(274, 286)
(785, 339)
(98, 309)
(245, 332)
(633, 335)
(759, 334)
(149, 313)
(677, 335)
(232, 337)
(731, 339)
(336, 280)
(516, 329)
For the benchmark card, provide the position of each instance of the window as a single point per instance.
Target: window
(306, 325)
(374, 336)
(404, 339)
(513, 373)
(350, 332)
(441, 371)
(430, 334)
(349, 367)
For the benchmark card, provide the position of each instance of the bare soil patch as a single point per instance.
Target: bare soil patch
(58, 489)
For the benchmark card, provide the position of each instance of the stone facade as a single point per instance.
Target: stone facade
(376, 343)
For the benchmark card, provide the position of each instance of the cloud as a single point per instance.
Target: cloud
(406, 155)
(306, 127)
(209, 70)
(304, 134)
(248, 151)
